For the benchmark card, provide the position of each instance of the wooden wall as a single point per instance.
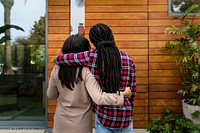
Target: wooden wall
(128, 20)
(164, 79)
(58, 31)
(138, 27)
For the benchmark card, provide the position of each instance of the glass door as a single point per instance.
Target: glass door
(22, 63)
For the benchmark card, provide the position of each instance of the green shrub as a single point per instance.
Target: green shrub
(169, 123)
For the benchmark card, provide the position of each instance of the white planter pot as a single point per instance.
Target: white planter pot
(188, 110)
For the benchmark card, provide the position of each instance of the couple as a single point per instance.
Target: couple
(73, 85)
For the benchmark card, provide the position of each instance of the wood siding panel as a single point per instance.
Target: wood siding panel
(156, 44)
(58, 25)
(161, 73)
(164, 87)
(138, 27)
(125, 23)
(164, 80)
(116, 9)
(158, 110)
(158, 8)
(58, 30)
(114, 2)
(54, 22)
(155, 30)
(162, 66)
(162, 91)
(120, 16)
(164, 102)
(129, 21)
(54, 8)
(159, 58)
(129, 37)
(58, 16)
(140, 110)
(131, 44)
(164, 95)
(58, 2)
(159, 15)
(158, 2)
(142, 88)
(141, 66)
(57, 37)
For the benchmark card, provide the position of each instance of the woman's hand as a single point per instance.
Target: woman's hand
(127, 92)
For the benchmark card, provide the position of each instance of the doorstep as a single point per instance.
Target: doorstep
(135, 131)
(44, 131)
(22, 131)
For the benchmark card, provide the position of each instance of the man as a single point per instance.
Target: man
(114, 70)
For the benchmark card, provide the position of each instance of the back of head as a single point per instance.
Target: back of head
(68, 74)
(75, 44)
(108, 57)
(100, 33)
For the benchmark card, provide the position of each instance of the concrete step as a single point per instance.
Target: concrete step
(43, 131)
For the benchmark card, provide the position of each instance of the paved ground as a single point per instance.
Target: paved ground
(43, 131)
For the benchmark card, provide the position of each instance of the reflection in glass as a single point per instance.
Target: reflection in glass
(77, 15)
(179, 6)
(1, 68)
(22, 61)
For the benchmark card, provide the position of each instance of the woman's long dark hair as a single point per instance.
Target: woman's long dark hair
(108, 57)
(68, 74)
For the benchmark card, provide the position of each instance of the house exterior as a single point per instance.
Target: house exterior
(138, 27)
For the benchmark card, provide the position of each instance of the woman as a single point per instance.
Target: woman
(75, 87)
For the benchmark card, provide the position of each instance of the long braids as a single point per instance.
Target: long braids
(108, 57)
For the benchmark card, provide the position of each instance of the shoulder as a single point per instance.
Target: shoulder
(55, 71)
(125, 56)
(85, 70)
(56, 67)
(122, 53)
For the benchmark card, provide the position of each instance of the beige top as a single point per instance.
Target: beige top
(73, 111)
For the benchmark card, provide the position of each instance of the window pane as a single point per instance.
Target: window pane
(77, 15)
(22, 61)
(177, 7)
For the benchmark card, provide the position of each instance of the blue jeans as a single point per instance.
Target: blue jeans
(99, 128)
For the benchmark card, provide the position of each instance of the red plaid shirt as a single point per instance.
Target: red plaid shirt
(112, 117)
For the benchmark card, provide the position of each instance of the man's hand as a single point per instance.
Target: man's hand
(127, 92)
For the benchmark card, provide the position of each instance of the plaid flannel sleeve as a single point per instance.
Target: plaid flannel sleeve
(133, 82)
(73, 59)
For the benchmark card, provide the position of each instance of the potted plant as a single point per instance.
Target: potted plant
(169, 123)
(185, 48)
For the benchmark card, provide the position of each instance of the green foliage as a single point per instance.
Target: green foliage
(38, 57)
(186, 50)
(37, 39)
(196, 114)
(35, 47)
(6, 27)
(169, 123)
(37, 33)
(2, 53)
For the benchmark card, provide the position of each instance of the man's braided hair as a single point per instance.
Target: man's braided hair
(108, 57)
